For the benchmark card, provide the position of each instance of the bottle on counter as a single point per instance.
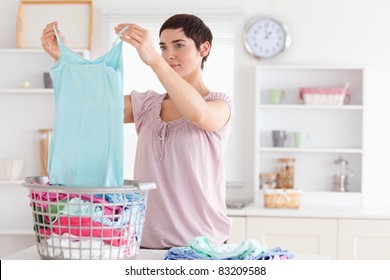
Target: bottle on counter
(286, 173)
(44, 143)
(268, 180)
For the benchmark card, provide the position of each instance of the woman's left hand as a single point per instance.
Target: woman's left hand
(139, 37)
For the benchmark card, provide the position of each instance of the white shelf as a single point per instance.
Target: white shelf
(39, 50)
(318, 198)
(310, 107)
(17, 50)
(26, 91)
(310, 150)
(11, 183)
(311, 67)
(20, 66)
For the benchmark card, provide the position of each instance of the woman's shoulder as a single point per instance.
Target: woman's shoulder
(146, 94)
(142, 102)
(148, 97)
(227, 98)
(220, 95)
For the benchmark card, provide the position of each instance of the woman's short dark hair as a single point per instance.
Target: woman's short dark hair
(193, 27)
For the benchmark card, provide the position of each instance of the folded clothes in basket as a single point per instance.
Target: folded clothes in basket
(78, 207)
(87, 223)
(84, 226)
(110, 217)
(84, 204)
(67, 246)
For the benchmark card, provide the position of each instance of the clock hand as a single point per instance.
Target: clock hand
(267, 34)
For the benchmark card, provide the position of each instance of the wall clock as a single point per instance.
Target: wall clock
(266, 37)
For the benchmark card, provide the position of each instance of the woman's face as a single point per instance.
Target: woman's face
(180, 52)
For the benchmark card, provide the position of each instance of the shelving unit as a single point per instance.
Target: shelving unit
(309, 107)
(26, 91)
(23, 113)
(83, 52)
(310, 150)
(25, 110)
(12, 183)
(333, 130)
(26, 65)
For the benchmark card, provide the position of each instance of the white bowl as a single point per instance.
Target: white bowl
(11, 169)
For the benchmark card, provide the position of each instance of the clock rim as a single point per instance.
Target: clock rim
(287, 41)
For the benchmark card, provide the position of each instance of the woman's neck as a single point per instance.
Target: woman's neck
(196, 81)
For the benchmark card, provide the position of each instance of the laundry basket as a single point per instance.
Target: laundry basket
(88, 222)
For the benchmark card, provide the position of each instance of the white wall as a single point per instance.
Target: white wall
(342, 32)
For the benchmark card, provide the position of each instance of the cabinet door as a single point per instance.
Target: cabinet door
(11, 243)
(237, 230)
(302, 236)
(364, 239)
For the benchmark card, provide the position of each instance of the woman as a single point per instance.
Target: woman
(181, 133)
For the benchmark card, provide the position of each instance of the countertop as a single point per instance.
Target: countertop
(313, 211)
(31, 253)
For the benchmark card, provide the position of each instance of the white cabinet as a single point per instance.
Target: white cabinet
(16, 222)
(12, 242)
(333, 130)
(302, 236)
(345, 238)
(364, 239)
(238, 230)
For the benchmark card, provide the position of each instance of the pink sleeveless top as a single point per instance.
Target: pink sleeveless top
(187, 165)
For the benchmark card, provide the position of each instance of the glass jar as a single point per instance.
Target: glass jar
(286, 173)
(44, 143)
(268, 180)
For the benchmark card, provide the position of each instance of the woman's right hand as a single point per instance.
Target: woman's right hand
(141, 40)
(49, 40)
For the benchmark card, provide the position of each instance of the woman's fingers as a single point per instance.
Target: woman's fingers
(131, 31)
(133, 26)
(48, 33)
(49, 28)
(49, 39)
(140, 39)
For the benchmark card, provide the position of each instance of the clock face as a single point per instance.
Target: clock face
(266, 37)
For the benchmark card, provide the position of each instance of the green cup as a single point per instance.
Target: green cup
(275, 95)
(300, 139)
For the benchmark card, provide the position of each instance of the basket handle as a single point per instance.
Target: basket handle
(282, 194)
